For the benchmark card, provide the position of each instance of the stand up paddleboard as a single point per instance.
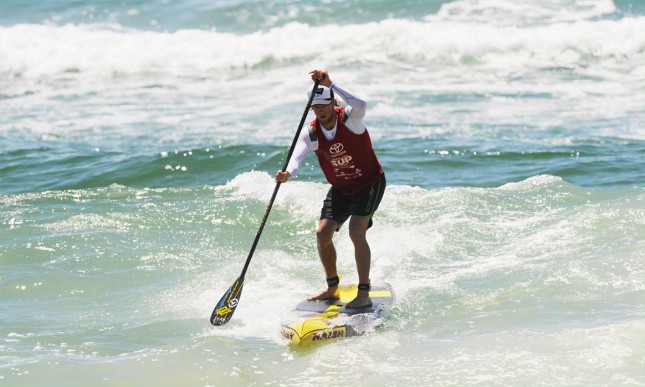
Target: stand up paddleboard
(331, 320)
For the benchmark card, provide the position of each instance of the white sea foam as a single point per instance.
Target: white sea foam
(563, 65)
(504, 12)
(110, 51)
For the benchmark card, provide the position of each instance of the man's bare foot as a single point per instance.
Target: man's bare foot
(329, 294)
(362, 300)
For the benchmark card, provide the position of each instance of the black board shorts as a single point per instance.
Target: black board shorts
(339, 207)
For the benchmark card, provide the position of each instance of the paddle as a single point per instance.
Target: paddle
(228, 303)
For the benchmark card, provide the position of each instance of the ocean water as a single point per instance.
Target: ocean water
(138, 140)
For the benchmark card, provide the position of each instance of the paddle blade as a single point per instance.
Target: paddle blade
(227, 304)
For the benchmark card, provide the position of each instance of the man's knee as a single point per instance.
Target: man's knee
(357, 233)
(325, 232)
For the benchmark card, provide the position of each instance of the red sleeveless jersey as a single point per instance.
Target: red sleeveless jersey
(348, 161)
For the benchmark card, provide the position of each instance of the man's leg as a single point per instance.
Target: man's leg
(357, 232)
(327, 253)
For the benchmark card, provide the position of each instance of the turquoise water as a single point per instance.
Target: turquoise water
(137, 145)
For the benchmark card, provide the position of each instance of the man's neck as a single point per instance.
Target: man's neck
(332, 127)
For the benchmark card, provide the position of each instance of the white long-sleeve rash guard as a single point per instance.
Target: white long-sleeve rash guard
(354, 122)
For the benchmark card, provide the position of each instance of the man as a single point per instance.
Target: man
(342, 144)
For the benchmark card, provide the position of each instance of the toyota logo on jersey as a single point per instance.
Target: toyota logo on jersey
(336, 148)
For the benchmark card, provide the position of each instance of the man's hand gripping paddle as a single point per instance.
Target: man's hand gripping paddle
(230, 300)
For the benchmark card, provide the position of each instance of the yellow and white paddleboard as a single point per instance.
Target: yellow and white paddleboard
(332, 320)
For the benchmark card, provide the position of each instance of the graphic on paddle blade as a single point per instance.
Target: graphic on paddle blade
(227, 304)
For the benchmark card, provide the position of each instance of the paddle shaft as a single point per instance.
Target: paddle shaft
(277, 185)
(230, 300)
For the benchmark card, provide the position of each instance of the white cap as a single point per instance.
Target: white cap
(322, 96)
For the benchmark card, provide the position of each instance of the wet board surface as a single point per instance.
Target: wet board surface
(381, 294)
